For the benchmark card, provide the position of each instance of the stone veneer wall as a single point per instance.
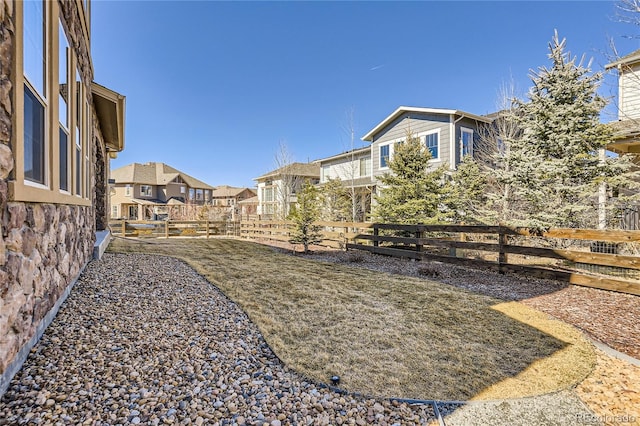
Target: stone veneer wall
(43, 247)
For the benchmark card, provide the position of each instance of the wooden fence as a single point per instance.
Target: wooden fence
(173, 228)
(584, 257)
(334, 234)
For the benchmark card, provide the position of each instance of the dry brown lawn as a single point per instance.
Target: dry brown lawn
(385, 335)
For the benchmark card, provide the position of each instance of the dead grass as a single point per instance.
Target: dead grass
(385, 335)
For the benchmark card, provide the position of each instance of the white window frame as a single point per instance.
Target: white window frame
(467, 130)
(144, 193)
(423, 138)
(127, 190)
(390, 144)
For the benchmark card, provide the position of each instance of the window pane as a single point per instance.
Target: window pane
(33, 137)
(467, 142)
(34, 60)
(78, 171)
(384, 155)
(64, 160)
(63, 73)
(432, 144)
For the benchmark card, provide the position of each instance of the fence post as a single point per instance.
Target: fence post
(124, 228)
(207, 225)
(502, 255)
(166, 229)
(376, 232)
(419, 235)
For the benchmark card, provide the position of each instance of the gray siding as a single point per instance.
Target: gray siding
(469, 124)
(418, 123)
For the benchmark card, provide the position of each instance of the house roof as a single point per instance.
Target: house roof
(296, 169)
(629, 59)
(229, 191)
(110, 110)
(403, 109)
(626, 137)
(252, 200)
(356, 151)
(154, 174)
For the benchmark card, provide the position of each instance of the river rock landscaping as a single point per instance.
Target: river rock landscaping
(146, 340)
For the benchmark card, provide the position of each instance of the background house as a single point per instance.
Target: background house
(353, 169)
(277, 189)
(627, 128)
(145, 191)
(229, 198)
(59, 130)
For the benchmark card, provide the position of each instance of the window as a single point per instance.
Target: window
(114, 211)
(466, 142)
(432, 144)
(35, 97)
(384, 156)
(267, 194)
(78, 158)
(63, 109)
(325, 173)
(199, 194)
(365, 167)
(127, 190)
(501, 147)
(183, 190)
(145, 190)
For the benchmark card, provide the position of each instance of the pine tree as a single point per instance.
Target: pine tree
(304, 213)
(411, 193)
(553, 165)
(337, 201)
(466, 193)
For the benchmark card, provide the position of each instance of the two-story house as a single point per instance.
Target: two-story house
(450, 135)
(58, 131)
(353, 169)
(277, 188)
(142, 191)
(229, 198)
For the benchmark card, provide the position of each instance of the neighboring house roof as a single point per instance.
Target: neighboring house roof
(252, 200)
(229, 191)
(154, 174)
(629, 59)
(295, 169)
(626, 137)
(403, 109)
(357, 151)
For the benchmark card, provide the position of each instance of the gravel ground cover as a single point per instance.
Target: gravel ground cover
(144, 339)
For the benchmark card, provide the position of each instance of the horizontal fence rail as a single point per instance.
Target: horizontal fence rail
(334, 234)
(173, 228)
(586, 257)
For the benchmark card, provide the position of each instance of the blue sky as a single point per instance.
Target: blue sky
(213, 88)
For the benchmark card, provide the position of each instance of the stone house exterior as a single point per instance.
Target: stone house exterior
(277, 188)
(58, 130)
(144, 191)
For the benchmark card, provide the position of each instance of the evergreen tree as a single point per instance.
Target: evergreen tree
(337, 201)
(411, 193)
(552, 167)
(466, 193)
(304, 213)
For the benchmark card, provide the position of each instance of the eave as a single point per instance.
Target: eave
(110, 109)
(401, 110)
